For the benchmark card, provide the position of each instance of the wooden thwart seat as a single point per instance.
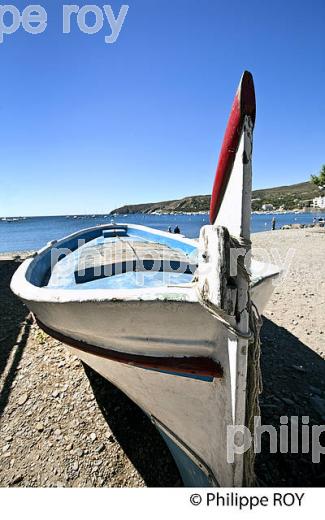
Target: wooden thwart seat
(122, 256)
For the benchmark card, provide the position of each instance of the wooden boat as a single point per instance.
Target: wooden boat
(171, 321)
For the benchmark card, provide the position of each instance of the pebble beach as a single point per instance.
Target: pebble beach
(62, 425)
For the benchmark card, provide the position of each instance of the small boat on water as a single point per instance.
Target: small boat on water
(173, 322)
(12, 219)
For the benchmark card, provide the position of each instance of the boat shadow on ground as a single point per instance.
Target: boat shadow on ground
(293, 385)
(15, 322)
(135, 433)
(293, 375)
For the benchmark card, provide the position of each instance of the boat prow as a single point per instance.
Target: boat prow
(169, 320)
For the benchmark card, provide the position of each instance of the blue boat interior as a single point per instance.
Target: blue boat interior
(115, 257)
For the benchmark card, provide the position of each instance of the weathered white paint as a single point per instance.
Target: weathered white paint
(235, 209)
(213, 272)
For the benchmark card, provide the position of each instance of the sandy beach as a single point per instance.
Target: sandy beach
(63, 425)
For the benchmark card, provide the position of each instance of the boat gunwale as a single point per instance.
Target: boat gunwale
(28, 291)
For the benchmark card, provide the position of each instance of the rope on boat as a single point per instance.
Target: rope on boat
(254, 375)
(254, 384)
(240, 241)
(220, 315)
(254, 387)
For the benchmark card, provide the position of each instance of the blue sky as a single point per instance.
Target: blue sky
(88, 126)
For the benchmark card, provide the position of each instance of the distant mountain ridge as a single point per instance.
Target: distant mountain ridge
(194, 204)
(289, 197)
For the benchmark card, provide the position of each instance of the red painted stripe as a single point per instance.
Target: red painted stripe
(243, 104)
(199, 366)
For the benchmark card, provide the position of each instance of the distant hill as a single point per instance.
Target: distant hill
(296, 195)
(193, 204)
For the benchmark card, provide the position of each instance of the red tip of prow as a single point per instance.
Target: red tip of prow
(246, 93)
(244, 104)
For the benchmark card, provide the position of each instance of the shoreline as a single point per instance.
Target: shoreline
(23, 254)
(19, 238)
(12, 219)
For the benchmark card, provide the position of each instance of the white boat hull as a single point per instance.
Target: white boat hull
(179, 349)
(191, 408)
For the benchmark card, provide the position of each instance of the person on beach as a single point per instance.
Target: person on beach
(170, 229)
(273, 223)
(177, 230)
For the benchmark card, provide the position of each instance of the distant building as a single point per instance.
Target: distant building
(267, 207)
(319, 202)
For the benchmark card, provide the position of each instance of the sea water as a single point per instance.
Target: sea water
(32, 233)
